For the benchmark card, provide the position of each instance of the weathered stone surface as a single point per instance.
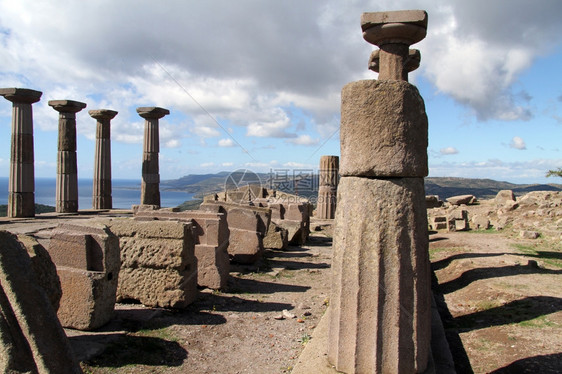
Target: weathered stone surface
(394, 113)
(432, 201)
(164, 288)
(213, 266)
(88, 262)
(504, 196)
(297, 231)
(247, 226)
(277, 237)
(245, 246)
(44, 269)
(461, 199)
(159, 267)
(380, 304)
(211, 234)
(31, 336)
(480, 222)
(328, 184)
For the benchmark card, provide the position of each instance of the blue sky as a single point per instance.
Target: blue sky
(256, 84)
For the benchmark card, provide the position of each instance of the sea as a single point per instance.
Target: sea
(125, 192)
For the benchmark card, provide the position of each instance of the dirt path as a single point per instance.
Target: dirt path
(238, 331)
(504, 296)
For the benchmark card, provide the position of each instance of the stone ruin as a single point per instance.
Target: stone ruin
(32, 339)
(381, 298)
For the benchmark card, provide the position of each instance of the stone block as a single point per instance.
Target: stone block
(480, 222)
(381, 296)
(88, 260)
(245, 246)
(44, 269)
(31, 336)
(88, 300)
(297, 231)
(213, 266)
(164, 288)
(277, 237)
(158, 264)
(393, 113)
(504, 196)
(461, 199)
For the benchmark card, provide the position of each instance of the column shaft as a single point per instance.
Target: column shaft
(101, 191)
(21, 187)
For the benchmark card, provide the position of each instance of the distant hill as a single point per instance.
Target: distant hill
(39, 208)
(444, 187)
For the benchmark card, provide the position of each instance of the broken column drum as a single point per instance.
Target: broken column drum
(67, 169)
(101, 192)
(328, 186)
(381, 296)
(21, 186)
(150, 186)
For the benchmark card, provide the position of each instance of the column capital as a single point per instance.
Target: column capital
(21, 95)
(402, 27)
(152, 112)
(101, 114)
(67, 106)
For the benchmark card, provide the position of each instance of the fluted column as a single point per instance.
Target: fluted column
(328, 187)
(67, 168)
(101, 191)
(150, 185)
(381, 296)
(21, 188)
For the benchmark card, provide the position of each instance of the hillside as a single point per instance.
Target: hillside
(444, 187)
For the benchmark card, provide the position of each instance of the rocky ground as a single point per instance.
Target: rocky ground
(259, 325)
(499, 294)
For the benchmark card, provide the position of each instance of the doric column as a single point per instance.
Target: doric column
(381, 296)
(21, 189)
(101, 191)
(150, 186)
(327, 187)
(67, 169)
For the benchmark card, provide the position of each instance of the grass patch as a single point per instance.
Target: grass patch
(539, 322)
(548, 254)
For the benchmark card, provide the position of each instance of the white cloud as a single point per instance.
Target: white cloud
(227, 164)
(206, 131)
(448, 151)
(226, 143)
(304, 139)
(207, 164)
(517, 143)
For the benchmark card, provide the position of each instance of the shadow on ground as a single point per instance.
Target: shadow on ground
(544, 364)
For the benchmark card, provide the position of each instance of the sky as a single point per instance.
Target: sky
(256, 84)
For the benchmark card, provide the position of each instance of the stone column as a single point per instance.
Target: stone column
(67, 170)
(21, 187)
(150, 186)
(327, 186)
(101, 191)
(381, 295)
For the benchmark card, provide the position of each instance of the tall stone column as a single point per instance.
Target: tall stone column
(150, 186)
(381, 296)
(101, 191)
(67, 168)
(328, 186)
(21, 187)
